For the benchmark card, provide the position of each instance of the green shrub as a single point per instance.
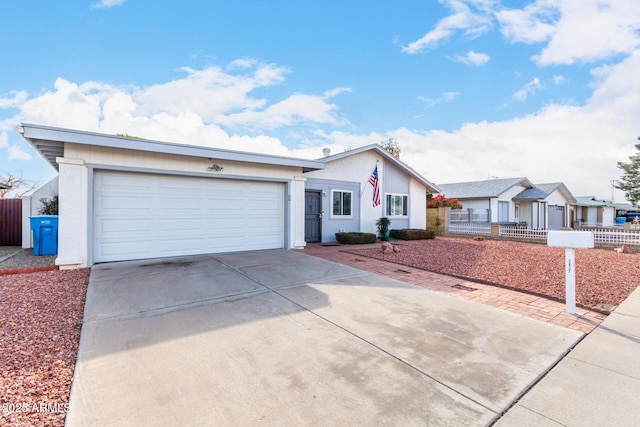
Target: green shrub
(383, 228)
(49, 206)
(412, 234)
(355, 238)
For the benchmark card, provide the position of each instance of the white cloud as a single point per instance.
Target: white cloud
(591, 30)
(16, 99)
(473, 58)
(200, 108)
(468, 16)
(17, 153)
(298, 108)
(107, 3)
(528, 89)
(444, 97)
(4, 141)
(68, 106)
(211, 92)
(581, 31)
(533, 24)
(558, 79)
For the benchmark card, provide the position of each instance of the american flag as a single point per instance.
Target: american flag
(373, 180)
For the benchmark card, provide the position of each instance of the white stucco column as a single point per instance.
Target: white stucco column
(72, 211)
(297, 212)
(418, 205)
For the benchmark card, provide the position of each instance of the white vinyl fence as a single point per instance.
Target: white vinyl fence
(615, 236)
(469, 228)
(603, 236)
(522, 233)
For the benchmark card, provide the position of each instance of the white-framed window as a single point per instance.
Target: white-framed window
(397, 205)
(341, 203)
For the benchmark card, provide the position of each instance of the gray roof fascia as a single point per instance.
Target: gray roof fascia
(532, 194)
(400, 164)
(561, 187)
(49, 141)
(488, 189)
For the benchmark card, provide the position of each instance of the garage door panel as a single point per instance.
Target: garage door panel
(129, 225)
(132, 202)
(171, 185)
(168, 225)
(125, 184)
(129, 249)
(183, 216)
(180, 203)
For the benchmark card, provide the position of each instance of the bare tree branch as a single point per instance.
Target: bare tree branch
(18, 186)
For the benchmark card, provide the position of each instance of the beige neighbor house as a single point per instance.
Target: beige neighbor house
(515, 200)
(130, 198)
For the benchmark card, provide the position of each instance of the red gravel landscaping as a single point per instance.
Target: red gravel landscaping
(40, 320)
(604, 278)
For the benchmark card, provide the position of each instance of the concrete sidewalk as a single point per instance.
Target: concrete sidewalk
(283, 338)
(596, 384)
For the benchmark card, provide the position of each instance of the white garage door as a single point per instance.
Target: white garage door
(138, 216)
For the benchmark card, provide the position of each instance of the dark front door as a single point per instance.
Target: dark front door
(312, 216)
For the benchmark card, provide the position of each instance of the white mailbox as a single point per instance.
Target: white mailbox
(570, 239)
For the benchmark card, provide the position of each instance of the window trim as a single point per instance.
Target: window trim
(333, 191)
(387, 208)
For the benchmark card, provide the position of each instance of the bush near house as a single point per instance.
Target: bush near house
(355, 238)
(412, 234)
(440, 201)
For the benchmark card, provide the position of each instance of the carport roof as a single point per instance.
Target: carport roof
(49, 142)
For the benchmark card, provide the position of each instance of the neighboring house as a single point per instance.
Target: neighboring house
(593, 212)
(340, 197)
(514, 200)
(131, 198)
(549, 206)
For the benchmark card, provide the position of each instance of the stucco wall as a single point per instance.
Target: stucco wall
(417, 205)
(556, 198)
(330, 224)
(358, 169)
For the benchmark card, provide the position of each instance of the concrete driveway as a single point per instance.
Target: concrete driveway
(283, 338)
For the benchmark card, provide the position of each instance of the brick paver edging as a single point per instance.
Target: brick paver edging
(476, 280)
(28, 270)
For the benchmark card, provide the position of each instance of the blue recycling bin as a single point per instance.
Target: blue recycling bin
(45, 234)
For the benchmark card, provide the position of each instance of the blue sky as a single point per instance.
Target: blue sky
(471, 89)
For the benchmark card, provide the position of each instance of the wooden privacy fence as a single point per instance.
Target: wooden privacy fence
(10, 222)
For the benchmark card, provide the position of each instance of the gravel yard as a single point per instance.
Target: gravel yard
(604, 278)
(40, 319)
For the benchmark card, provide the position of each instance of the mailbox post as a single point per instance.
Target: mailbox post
(570, 240)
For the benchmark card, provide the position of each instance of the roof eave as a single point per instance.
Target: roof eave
(49, 142)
